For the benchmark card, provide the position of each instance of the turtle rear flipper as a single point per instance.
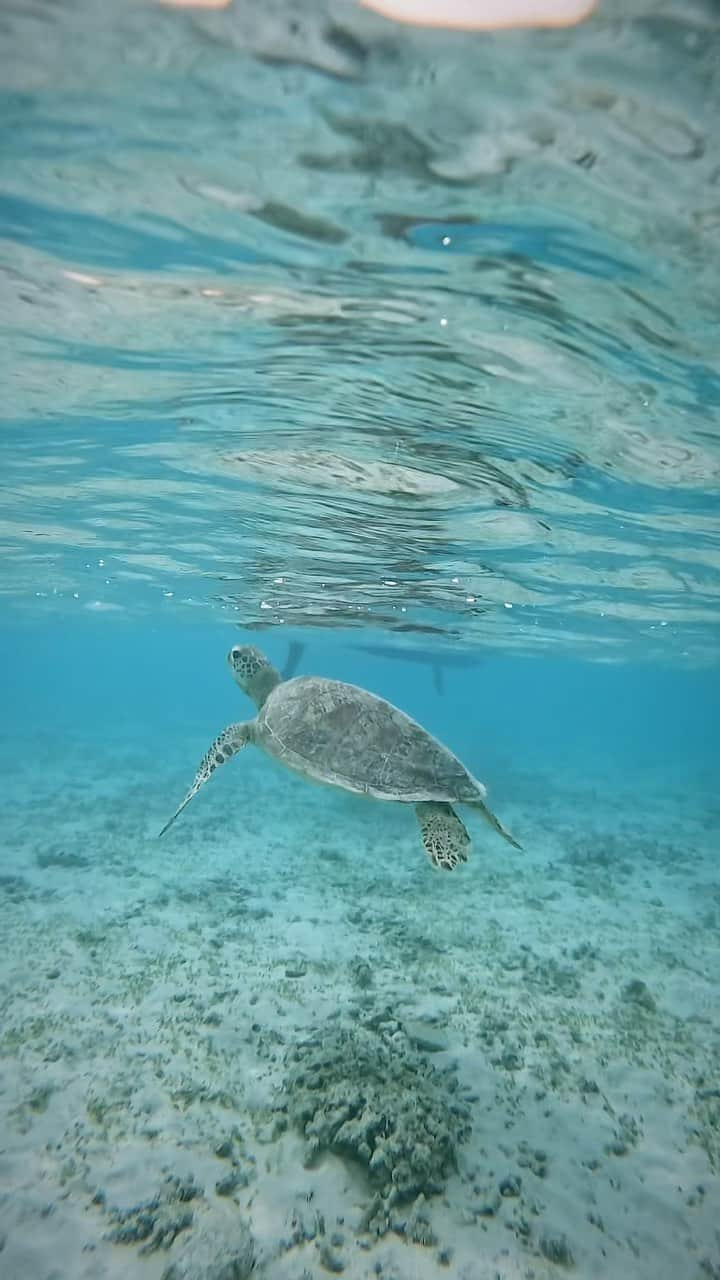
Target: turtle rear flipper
(443, 834)
(494, 822)
(293, 660)
(225, 746)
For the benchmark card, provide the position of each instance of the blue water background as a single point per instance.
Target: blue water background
(519, 723)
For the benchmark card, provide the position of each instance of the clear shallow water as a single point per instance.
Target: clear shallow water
(350, 324)
(401, 350)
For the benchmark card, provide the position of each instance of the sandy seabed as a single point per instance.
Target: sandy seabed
(278, 1042)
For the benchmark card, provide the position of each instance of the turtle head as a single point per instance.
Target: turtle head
(254, 673)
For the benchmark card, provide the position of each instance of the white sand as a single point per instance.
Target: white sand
(146, 1010)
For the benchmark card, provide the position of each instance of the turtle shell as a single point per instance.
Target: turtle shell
(340, 734)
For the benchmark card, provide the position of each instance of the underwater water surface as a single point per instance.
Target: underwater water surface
(393, 353)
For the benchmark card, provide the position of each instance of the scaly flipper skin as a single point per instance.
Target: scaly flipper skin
(225, 746)
(443, 834)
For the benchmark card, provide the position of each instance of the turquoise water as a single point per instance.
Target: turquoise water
(394, 353)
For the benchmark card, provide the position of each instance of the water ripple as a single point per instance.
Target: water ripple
(311, 320)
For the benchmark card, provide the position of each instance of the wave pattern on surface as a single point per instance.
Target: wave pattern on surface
(327, 322)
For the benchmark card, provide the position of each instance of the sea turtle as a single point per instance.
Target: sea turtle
(339, 734)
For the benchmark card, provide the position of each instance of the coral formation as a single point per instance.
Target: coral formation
(366, 1094)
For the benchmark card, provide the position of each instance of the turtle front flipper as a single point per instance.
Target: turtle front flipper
(443, 834)
(225, 746)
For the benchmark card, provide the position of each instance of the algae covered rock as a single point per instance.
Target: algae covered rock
(371, 1097)
(155, 1224)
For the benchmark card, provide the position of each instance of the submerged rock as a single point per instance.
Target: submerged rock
(154, 1224)
(556, 1248)
(212, 1254)
(426, 1036)
(636, 992)
(370, 1096)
